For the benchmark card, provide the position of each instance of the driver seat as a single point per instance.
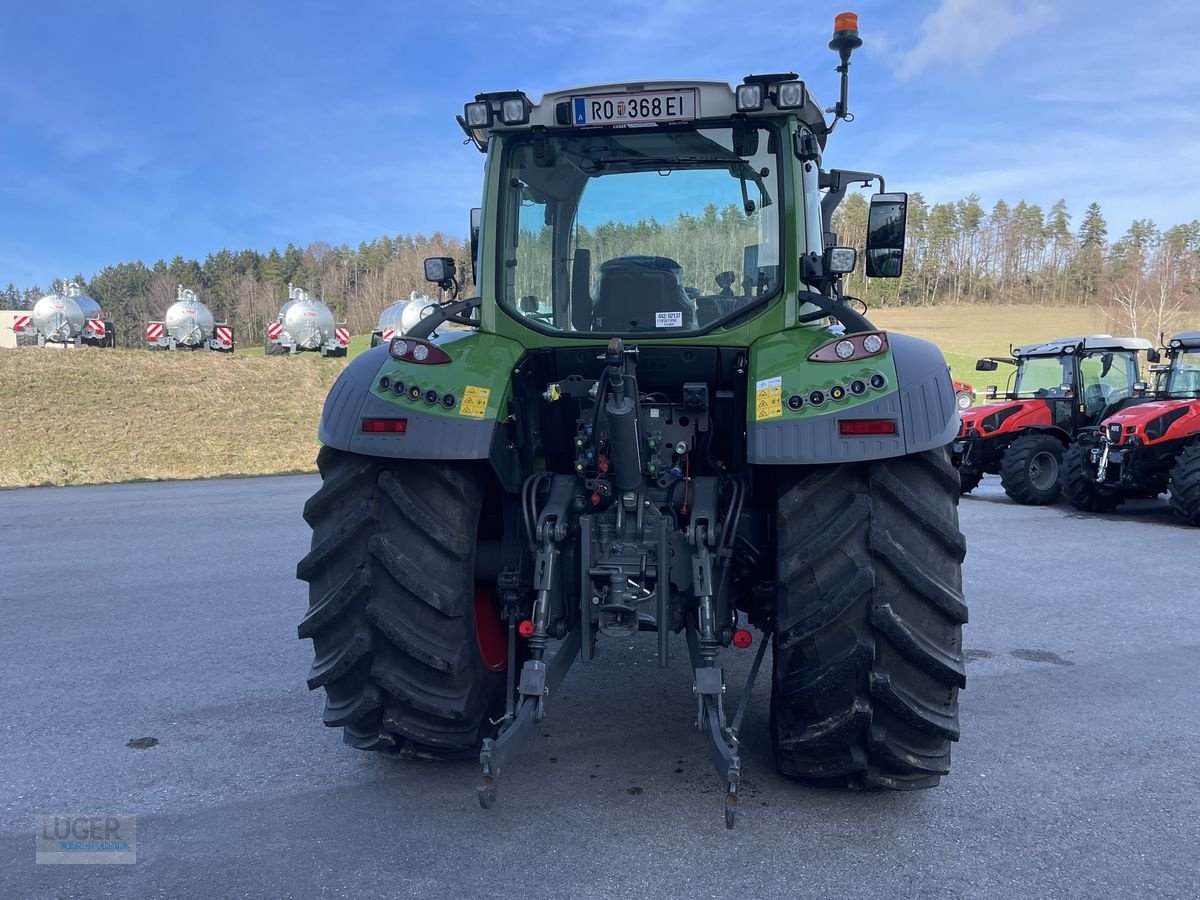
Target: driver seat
(634, 291)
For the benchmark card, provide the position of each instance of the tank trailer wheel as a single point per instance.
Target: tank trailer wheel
(868, 643)
(392, 605)
(1030, 469)
(963, 400)
(1185, 485)
(1079, 483)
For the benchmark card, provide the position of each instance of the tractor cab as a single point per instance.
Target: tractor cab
(1146, 448)
(1055, 389)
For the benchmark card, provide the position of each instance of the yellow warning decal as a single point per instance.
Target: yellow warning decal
(474, 401)
(768, 398)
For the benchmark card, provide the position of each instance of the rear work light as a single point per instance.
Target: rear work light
(866, 427)
(851, 347)
(422, 352)
(385, 426)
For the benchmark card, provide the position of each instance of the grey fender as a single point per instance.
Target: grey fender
(427, 436)
(923, 406)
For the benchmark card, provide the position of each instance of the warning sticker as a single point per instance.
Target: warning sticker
(474, 402)
(668, 320)
(768, 398)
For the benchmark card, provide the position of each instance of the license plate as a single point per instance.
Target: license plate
(625, 109)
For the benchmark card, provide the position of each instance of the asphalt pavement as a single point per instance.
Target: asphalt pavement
(165, 614)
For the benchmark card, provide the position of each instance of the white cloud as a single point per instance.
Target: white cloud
(969, 32)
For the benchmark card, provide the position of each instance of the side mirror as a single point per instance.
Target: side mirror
(840, 260)
(529, 304)
(986, 365)
(991, 391)
(476, 218)
(440, 271)
(886, 224)
(1153, 356)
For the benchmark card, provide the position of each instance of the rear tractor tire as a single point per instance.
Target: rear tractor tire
(868, 643)
(1185, 485)
(1030, 469)
(1079, 483)
(393, 606)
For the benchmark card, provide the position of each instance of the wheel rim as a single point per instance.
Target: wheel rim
(963, 401)
(1043, 470)
(490, 633)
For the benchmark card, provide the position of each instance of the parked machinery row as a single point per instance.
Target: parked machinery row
(1078, 420)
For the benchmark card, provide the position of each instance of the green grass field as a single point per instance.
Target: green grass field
(967, 332)
(97, 416)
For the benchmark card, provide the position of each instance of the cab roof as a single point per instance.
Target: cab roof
(1185, 339)
(1081, 344)
(714, 100)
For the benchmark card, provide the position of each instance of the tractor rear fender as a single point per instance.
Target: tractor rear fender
(452, 416)
(785, 426)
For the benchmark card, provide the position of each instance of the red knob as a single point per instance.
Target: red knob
(742, 639)
(525, 629)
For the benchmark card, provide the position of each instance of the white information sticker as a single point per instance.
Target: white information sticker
(777, 381)
(668, 320)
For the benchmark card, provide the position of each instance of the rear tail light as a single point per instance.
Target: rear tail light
(866, 427)
(852, 347)
(422, 352)
(385, 426)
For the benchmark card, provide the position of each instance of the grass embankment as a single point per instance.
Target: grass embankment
(94, 416)
(966, 333)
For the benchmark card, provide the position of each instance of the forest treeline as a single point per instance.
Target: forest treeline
(1146, 280)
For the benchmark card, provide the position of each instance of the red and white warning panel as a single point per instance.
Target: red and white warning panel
(274, 330)
(225, 335)
(20, 323)
(96, 326)
(154, 332)
(343, 335)
(389, 333)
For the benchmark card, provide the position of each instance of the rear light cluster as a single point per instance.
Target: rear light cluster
(848, 349)
(385, 426)
(416, 393)
(420, 352)
(856, 388)
(866, 427)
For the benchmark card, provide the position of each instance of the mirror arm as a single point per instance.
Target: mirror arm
(836, 182)
(837, 307)
(456, 312)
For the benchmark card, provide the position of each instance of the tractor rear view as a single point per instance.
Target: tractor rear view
(1058, 387)
(1147, 449)
(649, 420)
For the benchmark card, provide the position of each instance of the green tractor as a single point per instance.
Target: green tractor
(659, 413)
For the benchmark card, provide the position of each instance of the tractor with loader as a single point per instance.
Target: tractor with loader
(659, 412)
(1147, 449)
(1056, 389)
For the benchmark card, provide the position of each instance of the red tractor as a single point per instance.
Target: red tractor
(1146, 449)
(1059, 387)
(964, 395)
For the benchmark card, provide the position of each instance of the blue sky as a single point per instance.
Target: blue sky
(148, 129)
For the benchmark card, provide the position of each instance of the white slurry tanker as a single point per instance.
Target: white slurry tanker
(67, 319)
(189, 325)
(305, 323)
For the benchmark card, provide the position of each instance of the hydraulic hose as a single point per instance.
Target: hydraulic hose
(839, 309)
